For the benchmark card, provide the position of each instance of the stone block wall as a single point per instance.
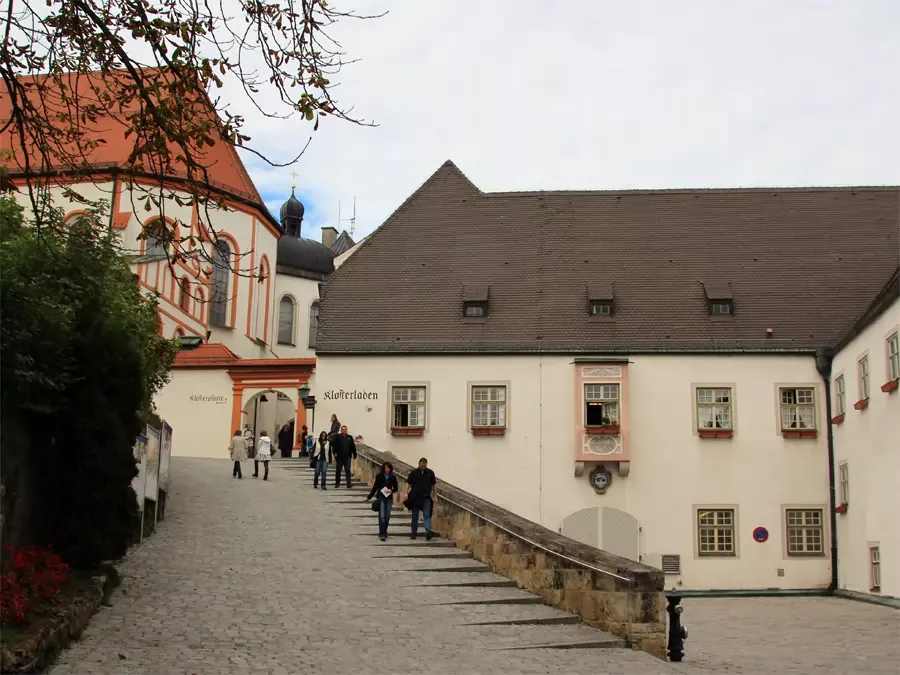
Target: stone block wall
(608, 592)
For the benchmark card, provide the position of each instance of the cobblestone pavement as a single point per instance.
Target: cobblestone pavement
(277, 578)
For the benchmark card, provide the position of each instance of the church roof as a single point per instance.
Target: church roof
(298, 255)
(343, 243)
(226, 170)
(804, 262)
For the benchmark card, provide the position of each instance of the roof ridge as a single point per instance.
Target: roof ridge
(652, 191)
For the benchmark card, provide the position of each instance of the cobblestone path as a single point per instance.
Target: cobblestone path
(275, 577)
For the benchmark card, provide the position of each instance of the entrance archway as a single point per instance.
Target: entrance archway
(271, 410)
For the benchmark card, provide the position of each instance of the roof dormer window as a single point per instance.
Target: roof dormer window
(600, 298)
(718, 298)
(475, 301)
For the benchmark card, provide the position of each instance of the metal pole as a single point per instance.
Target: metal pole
(677, 632)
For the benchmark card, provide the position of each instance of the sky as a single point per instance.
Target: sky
(590, 94)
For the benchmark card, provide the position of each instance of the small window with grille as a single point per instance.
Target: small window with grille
(489, 407)
(715, 532)
(714, 408)
(409, 407)
(805, 532)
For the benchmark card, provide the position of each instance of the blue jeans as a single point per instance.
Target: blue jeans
(384, 516)
(425, 506)
(321, 470)
(345, 464)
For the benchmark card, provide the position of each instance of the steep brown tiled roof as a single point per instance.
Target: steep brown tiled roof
(804, 262)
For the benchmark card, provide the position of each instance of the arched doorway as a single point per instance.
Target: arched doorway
(271, 411)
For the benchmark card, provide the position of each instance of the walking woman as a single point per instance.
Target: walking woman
(383, 490)
(263, 454)
(323, 446)
(335, 427)
(238, 449)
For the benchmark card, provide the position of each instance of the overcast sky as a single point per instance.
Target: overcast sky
(589, 94)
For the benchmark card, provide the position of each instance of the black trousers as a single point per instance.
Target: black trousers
(237, 470)
(256, 469)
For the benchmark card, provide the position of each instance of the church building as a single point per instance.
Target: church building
(244, 301)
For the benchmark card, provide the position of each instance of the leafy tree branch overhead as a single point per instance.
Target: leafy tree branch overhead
(77, 73)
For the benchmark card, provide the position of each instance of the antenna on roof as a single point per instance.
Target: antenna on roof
(351, 219)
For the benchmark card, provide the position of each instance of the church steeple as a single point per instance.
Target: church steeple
(292, 215)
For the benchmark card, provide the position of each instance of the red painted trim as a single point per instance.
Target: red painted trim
(799, 433)
(861, 404)
(715, 433)
(178, 321)
(488, 431)
(608, 430)
(841, 508)
(888, 387)
(838, 419)
(264, 261)
(398, 431)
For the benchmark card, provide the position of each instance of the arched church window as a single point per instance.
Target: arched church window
(219, 294)
(155, 244)
(313, 323)
(184, 294)
(286, 321)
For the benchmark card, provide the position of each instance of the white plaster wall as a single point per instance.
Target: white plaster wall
(343, 257)
(869, 442)
(202, 428)
(530, 470)
(304, 292)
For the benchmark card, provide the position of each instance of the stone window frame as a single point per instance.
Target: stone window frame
(407, 431)
(470, 408)
(844, 482)
(695, 411)
(874, 565)
(797, 432)
(735, 554)
(824, 532)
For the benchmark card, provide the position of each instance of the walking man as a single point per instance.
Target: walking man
(421, 493)
(344, 450)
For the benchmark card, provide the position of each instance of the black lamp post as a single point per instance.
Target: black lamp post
(309, 402)
(677, 631)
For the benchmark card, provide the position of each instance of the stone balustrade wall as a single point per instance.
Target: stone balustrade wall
(608, 592)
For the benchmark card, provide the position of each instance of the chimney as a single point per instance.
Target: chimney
(329, 236)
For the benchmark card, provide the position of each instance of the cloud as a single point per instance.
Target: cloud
(598, 95)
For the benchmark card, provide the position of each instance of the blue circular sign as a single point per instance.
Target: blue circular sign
(760, 534)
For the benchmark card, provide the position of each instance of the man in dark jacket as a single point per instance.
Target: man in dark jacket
(344, 450)
(421, 493)
(285, 441)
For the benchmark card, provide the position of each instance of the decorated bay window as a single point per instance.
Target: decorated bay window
(601, 416)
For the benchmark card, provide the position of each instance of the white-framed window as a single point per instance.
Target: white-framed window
(714, 408)
(798, 407)
(844, 475)
(893, 354)
(489, 406)
(601, 307)
(601, 404)
(864, 378)
(286, 311)
(805, 532)
(218, 301)
(475, 309)
(840, 395)
(875, 568)
(409, 407)
(715, 532)
(313, 324)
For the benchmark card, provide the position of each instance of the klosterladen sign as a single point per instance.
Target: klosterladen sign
(343, 394)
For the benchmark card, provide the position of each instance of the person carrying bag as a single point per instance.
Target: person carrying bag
(383, 490)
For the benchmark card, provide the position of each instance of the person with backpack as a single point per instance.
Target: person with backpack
(383, 490)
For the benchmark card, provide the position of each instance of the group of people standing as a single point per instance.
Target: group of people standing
(335, 446)
(338, 447)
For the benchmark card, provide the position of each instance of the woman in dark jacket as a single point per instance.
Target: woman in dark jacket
(335, 428)
(383, 490)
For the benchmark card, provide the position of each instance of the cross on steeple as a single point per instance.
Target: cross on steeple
(293, 180)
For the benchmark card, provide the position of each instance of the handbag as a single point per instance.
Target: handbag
(376, 506)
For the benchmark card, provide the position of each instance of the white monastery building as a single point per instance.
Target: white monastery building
(254, 316)
(650, 372)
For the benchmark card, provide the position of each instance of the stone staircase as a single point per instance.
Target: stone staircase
(454, 579)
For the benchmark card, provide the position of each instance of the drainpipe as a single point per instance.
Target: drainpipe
(823, 365)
